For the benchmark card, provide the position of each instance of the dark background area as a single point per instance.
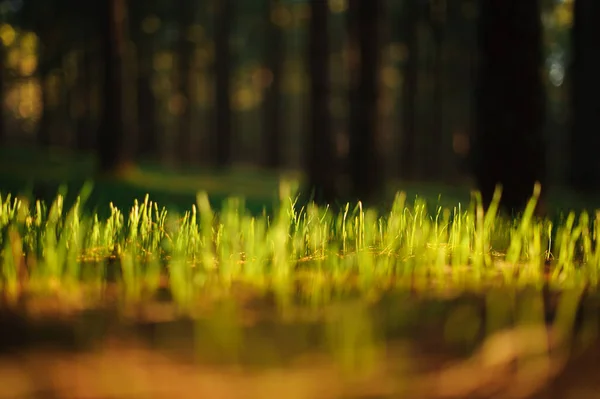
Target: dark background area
(358, 97)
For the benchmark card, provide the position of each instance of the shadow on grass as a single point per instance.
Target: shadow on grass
(38, 173)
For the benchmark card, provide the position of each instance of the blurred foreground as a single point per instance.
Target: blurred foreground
(404, 344)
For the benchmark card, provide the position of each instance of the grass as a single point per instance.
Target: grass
(306, 256)
(406, 267)
(41, 174)
(310, 249)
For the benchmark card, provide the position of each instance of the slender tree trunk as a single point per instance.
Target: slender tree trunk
(44, 129)
(50, 58)
(146, 102)
(147, 126)
(2, 92)
(509, 144)
(113, 148)
(435, 165)
(407, 145)
(321, 165)
(185, 53)
(585, 107)
(223, 127)
(273, 111)
(84, 140)
(365, 159)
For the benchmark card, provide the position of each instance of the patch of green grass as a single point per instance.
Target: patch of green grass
(40, 174)
(321, 253)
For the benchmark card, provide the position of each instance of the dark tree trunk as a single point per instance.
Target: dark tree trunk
(146, 101)
(509, 144)
(585, 140)
(44, 129)
(113, 148)
(148, 132)
(50, 58)
(223, 128)
(2, 91)
(407, 145)
(185, 53)
(273, 112)
(321, 165)
(84, 139)
(434, 162)
(365, 166)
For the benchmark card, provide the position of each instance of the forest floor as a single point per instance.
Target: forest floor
(421, 366)
(43, 172)
(221, 301)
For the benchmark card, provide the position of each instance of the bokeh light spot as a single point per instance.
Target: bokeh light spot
(7, 34)
(150, 24)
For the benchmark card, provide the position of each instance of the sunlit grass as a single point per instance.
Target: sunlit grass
(307, 258)
(301, 248)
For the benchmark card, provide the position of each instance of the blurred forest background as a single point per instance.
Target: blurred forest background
(353, 92)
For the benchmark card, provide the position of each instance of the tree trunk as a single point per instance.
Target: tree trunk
(223, 129)
(147, 124)
(185, 54)
(365, 165)
(113, 148)
(273, 112)
(435, 164)
(320, 163)
(148, 133)
(50, 57)
(407, 145)
(509, 144)
(585, 167)
(44, 134)
(2, 93)
(84, 139)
